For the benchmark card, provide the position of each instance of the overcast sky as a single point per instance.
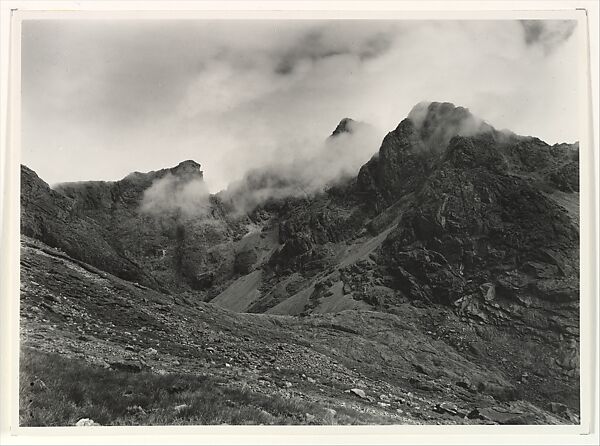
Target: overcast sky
(102, 99)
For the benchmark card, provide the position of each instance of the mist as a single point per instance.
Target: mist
(102, 99)
(438, 123)
(178, 196)
(337, 158)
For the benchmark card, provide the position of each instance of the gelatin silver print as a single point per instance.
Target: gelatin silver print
(299, 222)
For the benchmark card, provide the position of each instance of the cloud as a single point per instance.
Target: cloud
(325, 42)
(122, 96)
(177, 196)
(547, 34)
(337, 158)
(438, 123)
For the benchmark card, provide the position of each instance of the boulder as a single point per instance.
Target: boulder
(358, 392)
(86, 422)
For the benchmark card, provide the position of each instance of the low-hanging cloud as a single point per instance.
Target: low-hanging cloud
(180, 196)
(103, 99)
(322, 43)
(438, 123)
(547, 34)
(337, 158)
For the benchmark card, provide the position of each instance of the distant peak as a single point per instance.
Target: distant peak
(346, 125)
(187, 167)
(435, 113)
(188, 164)
(438, 122)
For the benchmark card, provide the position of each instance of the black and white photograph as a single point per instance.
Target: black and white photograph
(309, 222)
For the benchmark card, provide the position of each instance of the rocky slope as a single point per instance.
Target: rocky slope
(447, 266)
(384, 368)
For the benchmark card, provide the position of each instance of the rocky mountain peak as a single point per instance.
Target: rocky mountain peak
(346, 125)
(438, 122)
(188, 169)
(438, 133)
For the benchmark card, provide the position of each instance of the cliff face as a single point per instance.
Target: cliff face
(158, 228)
(55, 219)
(475, 230)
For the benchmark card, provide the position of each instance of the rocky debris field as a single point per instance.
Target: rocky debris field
(412, 368)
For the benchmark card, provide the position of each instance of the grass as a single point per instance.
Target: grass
(58, 391)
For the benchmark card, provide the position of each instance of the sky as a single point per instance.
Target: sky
(101, 99)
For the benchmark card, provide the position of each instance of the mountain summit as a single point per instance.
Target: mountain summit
(437, 134)
(438, 122)
(346, 125)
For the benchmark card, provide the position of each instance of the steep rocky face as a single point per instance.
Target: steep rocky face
(410, 152)
(56, 220)
(438, 132)
(481, 219)
(396, 169)
(494, 247)
(482, 211)
(160, 228)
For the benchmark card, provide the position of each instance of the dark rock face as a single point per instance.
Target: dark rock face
(482, 232)
(472, 231)
(306, 230)
(56, 220)
(397, 169)
(104, 224)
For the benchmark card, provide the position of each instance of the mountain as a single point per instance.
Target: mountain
(346, 125)
(447, 265)
(140, 228)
